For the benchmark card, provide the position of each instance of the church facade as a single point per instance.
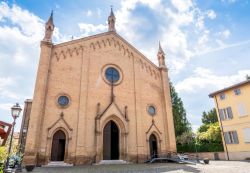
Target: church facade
(98, 98)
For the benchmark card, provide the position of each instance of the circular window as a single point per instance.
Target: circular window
(112, 75)
(151, 110)
(63, 101)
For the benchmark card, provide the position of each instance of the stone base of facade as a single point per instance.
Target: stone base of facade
(40, 160)
(30, 160)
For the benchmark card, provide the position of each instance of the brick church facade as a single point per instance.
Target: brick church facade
(98, 98)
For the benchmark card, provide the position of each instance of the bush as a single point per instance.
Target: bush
(3, 156)
(205, 147)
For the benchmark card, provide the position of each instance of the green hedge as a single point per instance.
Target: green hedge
(206, 147)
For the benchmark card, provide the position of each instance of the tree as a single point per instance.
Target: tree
(209, 133)
(209, 117)
(212, 135)
(185, 138)
(179, 113)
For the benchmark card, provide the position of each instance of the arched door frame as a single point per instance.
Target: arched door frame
(158, 140)
(119, 136)
(66, 143)
(123, 133)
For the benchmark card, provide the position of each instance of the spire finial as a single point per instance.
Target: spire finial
(51, 17)
(160, 49)
(49, 28)
(111, 20)
(161, 57)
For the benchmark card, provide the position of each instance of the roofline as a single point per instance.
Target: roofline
(108, 33)
(228, 88)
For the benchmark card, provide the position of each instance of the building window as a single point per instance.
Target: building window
(226, 113)
(246, 133)
(63, 101)
(231, 137)
(112, 75)
(237, 91)
(222, 96)
(241, 110)
(151, 110)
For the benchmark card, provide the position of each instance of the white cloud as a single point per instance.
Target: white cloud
(5, 82)
(20, 34)
(89, 13)
(181, 5)
(222, 46)
(175, 40)
(88, 29)
(5, 88)
(6, 106)
(204, 78)
(226, 33)
(29, 24)
(211, 14)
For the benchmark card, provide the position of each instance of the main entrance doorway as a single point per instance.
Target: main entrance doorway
(111, 141)
(153, 146)
(58, 146)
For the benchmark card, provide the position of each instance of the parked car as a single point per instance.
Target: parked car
(182, 156)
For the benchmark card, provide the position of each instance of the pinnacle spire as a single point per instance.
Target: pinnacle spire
(51, 18)
(49, 28)
(111, 12)
(161, 57)
(111, 20)
(160, 49)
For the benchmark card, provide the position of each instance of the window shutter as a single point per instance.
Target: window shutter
(226, 137)
(246, 133)
(221, 114)
(241, 110)
(230, 113)
(235, 136)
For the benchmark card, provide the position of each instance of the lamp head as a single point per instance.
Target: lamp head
(16, 110)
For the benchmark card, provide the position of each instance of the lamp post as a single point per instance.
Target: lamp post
(15, 112)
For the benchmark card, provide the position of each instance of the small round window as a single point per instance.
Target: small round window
(151, 110)
(112, 75)
(63, 101)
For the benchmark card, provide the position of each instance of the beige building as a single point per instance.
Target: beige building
(98, 98)
(233, 110)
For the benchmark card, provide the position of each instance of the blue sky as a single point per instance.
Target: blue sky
(207, 43)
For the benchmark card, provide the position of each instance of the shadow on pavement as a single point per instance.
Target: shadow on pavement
(130, 168)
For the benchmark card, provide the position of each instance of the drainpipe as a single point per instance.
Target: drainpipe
(222, 129)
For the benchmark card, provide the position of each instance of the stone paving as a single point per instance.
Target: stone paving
(213, 167)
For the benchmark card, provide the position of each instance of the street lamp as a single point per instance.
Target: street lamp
(15, 112)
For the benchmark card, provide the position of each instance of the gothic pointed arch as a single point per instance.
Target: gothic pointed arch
(60, 123)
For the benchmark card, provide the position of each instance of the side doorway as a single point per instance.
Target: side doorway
(153, 146)
(58, 146)
(111, 141)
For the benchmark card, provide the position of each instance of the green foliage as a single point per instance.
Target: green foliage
(203, 128)
(3, 153)
(209, 117)
(13, 154)
(204, 147)
(185, 138)
(212, 135)
(179, 113)
(3, 156)
(209, 133)
(208, 137)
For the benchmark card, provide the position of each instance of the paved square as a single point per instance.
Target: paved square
(213, 167)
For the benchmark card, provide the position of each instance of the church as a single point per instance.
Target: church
(97, 98)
